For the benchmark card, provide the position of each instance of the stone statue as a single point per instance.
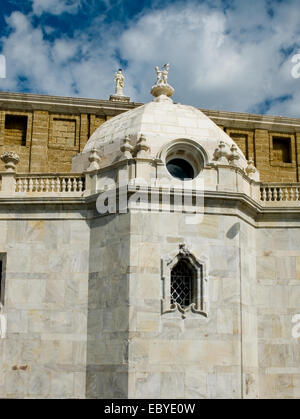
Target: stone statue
(3, 323)
(162, 75)
(119, 80)
(162, 91)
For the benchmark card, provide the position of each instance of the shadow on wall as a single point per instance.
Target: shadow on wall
(233, 231)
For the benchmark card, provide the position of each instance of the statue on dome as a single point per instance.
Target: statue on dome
(119, 96)
(119, 80)
(162, 75)
(162, 91)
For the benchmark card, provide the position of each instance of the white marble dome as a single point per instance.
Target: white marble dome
(161, 122)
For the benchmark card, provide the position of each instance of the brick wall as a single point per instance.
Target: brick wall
(46, 140)
(50, 140)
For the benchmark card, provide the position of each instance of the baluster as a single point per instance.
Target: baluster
(30, 185)
(57, 185)
(291, 194)
(80, 185)
(297, 194)
(25, 185)
(42, 185)
(36, 185)
(69, 185)
(269, 194)
(47, 185)
(285, 194)
(74, 185)
(280, 194)
(64, 185)
(52, 185)
(275, 194)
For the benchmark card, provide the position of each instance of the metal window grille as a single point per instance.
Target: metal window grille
(182, 284)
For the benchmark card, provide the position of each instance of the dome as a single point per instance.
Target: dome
(161, 122)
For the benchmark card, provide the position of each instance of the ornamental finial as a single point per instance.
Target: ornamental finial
(162, 91)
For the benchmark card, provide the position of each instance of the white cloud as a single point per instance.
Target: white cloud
(231, 61)
(55, 7)
(63, 67)
(219, 61)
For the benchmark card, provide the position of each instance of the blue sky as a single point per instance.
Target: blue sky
(230, 55)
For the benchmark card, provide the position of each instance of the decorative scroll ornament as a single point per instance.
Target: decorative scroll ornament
(126, 148)
(162, 91)
(183, 250)
(142, 148)
(250, 169)
(200, 300)
(252, 172)
(220, 154)
(94, 160)
(11, 160)
(233, 156)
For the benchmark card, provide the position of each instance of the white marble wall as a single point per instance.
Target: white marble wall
(108, 307)
(278, 300)
(46, 288)
(83, 303)
(196, 357)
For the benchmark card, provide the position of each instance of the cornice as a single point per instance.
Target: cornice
(73, 105)
(58, 104)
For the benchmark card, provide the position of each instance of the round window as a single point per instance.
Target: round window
(180, 169)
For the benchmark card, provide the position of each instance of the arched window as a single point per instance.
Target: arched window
(182, 283)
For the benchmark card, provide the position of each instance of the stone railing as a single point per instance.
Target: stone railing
(62, 183)
(280, 194)
(226, 179)
(12, 183)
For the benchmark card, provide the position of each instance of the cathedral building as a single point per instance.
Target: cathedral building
(147, 250)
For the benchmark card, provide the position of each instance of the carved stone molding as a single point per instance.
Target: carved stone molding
(142, 148)
(126, 148)
(94, 160)
(200, 300)
(220, 154)
(10, 159)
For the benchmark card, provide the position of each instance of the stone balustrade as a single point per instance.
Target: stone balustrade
(265, 194)
(50, 183)
(280, 194)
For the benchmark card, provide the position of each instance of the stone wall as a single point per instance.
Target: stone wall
(52, 140)
(278, 300)
(46, 287)
(58, 131)
(258, 145)
(108, 308)
(83, 303)
(195, 357)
